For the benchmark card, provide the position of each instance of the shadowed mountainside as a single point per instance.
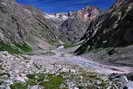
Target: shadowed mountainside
(111, 29)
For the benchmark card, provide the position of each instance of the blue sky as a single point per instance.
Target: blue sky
(55, 6)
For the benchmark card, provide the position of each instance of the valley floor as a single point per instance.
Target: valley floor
(55, 61)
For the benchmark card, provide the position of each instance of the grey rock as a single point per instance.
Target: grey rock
(73, 27)
(130, 76)
(110, 29)
(36, 87)
(22, 24)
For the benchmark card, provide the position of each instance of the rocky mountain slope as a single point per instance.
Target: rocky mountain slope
(23, 26)
(111, 29)
(109, 37)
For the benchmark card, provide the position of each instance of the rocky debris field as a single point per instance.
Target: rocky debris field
(46, 72)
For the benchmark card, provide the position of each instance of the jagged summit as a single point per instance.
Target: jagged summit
(111, 29)
(120, 2)
(71, 26)
(85, 14)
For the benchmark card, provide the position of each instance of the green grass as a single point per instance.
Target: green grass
(15, 48)
(24, 47)
(36, 79)
(53, 83)
(52, 42)
(49, 81)
(19, 85)
(68, 45)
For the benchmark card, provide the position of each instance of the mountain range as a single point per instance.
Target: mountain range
(84, 49)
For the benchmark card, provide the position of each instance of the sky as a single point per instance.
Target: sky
(56, 6)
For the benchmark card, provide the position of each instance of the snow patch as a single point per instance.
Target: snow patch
(57, 16)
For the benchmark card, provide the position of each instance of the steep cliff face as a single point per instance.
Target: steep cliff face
(23, 25)
(74, 27)
(112, 29)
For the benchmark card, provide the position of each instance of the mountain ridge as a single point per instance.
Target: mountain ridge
(40, 57)
(71, 26)
(24, 25)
